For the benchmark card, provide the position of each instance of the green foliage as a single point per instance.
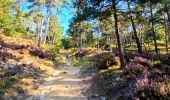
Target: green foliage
(55, 29)
(5, 19)
(81, 62)
(59, 60)
(66, 43)
(55, 49)
(157, 64)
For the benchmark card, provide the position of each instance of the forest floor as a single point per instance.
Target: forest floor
(28, 72)
(25, 76)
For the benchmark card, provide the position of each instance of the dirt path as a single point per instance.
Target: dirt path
(62, 85)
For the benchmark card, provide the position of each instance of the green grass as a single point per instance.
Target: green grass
(112, 68)
(79, 63)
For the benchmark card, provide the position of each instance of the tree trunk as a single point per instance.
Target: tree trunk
(47, 27)
(120, 48)
(130, 39)
(40, 34)
(134, 29)
(141, 37)
(81, 40)
(167, 10)
(166, 34)
(45, 35)
(98, 33)
(110, 43)
(153, 28)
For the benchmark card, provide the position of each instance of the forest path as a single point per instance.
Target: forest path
(64, 84)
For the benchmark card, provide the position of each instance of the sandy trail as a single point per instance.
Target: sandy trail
(62, 85)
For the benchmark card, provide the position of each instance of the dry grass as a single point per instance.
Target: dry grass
(28, 84)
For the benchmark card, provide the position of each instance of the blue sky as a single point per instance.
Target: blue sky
(64, 16)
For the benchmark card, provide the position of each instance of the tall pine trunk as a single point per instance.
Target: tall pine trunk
(166, 35)
(120, 48)
(167, 10)
(81, 40)
(134, 29)
(40, 33)
(153, 28)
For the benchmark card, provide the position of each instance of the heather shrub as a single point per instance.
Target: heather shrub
(161, 88)
(14, 46)
(83, 53)
(137, 67)
(150, 89)
(105, 60)
(5, 54)
(36, 51)
(143, 61)
(141, 83)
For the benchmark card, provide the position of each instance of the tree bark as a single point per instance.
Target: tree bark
(120, 48)
(166, 34)
(167, 10)
(153, 28)
(40, 34)
(134, 29)
(81, 40)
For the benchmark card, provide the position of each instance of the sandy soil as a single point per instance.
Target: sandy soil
(63, 84)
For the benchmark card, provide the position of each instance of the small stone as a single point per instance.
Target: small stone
(118, 78)
(35, 65)
(68, 86)
(103, 98)
(96, 95)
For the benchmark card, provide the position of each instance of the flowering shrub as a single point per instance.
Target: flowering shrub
(149, 82)
(137, 67)
(151, 89)
(143, 61)
(14, 46)
(36, 51)
(134, 69)
(105, 60)
(161, 88)
(84, 52)
(5, 54)
(141, 83)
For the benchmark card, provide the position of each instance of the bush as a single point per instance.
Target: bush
(66, 43)
(104, 60)
(36, 51)
(138, 66)
(5, 54)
